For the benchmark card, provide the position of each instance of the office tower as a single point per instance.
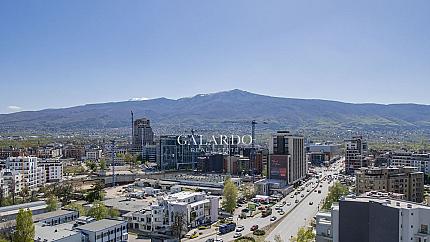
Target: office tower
(288, 161)
(142, 134)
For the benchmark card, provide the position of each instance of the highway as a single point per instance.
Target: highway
(296, 215)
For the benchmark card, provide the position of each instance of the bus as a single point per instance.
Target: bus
(225, 228)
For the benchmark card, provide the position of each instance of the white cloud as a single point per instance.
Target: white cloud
(13, 108)
(138, 99)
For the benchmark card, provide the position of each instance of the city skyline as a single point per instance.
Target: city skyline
(65, 54)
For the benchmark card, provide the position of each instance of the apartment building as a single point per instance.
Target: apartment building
(11, 181)
(403, 180)
(53, 169)
(355, 154)
(374, 219)
(404, 158)
(33, 176)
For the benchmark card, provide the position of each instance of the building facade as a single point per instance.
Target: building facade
(355, 154)
(403, 180)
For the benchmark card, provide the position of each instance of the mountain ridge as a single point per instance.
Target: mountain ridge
(214, 109)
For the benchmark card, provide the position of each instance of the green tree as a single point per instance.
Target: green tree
(335, 193)
(304, 235)
(77, 207)
(52, 203)
(102, 164)
(24, 231)
(229, 200)
(98, 211)
(248, 190)
(113, 213)
(96, 194)
(91, 165)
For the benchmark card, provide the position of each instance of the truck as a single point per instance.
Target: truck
(226, 228)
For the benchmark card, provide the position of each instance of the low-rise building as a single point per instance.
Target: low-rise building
(404, 180)
(104, 230)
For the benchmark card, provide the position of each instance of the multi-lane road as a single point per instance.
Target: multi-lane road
(296, 214)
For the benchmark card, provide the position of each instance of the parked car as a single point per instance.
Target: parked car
(273, 218)
(240, 228)
(311, 203)
(237, 235)
(254, 227)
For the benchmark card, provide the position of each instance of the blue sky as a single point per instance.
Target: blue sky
(65, 53)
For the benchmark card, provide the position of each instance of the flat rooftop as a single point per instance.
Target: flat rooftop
(54, 233)
(389, 202)
(129, 204)
(53, 214)
(100, 225)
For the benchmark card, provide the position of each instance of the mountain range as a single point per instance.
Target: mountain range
(217, 110)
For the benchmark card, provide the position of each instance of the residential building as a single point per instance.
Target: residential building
(27, 166)
(12, 181)
(374, 219)
(403, 180)
(355, 154)
(94, 154)
(405, 158)
(50, 151)
(53, 169)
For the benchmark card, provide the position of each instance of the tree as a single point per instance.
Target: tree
(102, 164)
(179, 224)
(24, 231)
(335, 193)
(98, 211)
(113, 213)
(92, 165)
(229, 200)
(248, 190)
(52, 203)
(304, 235)
(97, 194)
(77, 207)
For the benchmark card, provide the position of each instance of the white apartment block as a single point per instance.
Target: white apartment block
(196, 208)
(403, 158)
(32, 175)
(53, 169)
(11, 181)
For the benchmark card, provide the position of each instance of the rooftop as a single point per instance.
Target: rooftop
(54, 233)
(100, 225)
(129, 205)
(389, 202)
(53, 214)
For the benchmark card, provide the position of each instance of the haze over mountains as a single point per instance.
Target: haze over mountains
(214, 111)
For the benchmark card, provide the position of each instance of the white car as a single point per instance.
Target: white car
(237, 235)
(219, 240)
(240, 228)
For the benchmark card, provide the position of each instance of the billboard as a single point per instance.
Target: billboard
(279, 167)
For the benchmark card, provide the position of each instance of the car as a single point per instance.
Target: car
(292, 196)
(237, 235)
(254, 227)
(281, 212)
(240, 228)
(219, 240)
(210, 240)
(245, 210)
(288, 204)
(319, 191)
(273, 218)
(315, 190)
(303, 195)
(311, 203)
(307, 190)
(297, 201)
(320, 185)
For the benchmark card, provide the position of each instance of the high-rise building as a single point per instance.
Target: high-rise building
(32, 175)
(143, 134)
(53, 169)
(356, 152)
(288, 159)
(403, 180)
(173, 155)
